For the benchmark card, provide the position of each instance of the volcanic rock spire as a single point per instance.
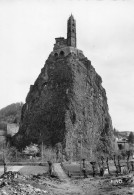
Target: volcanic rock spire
(67, 103)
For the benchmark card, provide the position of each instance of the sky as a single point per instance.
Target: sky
(105, 33)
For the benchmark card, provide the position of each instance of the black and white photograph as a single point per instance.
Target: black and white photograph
(67, 97)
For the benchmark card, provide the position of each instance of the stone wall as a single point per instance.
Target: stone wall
(60, 43)
(65, 51)
(12, 128)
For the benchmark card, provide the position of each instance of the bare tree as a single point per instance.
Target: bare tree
(7, 154)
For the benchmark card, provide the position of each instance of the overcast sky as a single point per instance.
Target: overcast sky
(105, 33)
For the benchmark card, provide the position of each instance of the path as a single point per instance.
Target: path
(14, 168)
(66, 186)
(59, 172)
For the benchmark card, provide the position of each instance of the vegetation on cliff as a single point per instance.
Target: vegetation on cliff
(11, 113)
(67, 104)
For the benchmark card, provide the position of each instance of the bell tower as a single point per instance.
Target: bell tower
(71, 32)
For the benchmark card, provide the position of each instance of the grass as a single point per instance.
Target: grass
(71, 167)
(75, 169)
(27, 170)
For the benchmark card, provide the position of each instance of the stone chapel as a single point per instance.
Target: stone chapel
(63, 46)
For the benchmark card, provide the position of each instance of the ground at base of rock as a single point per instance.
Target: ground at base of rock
(17, 183)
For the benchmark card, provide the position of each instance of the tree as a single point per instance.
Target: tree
(115, 132)
(31, 150)
(11, 113)
(131, 138)
(7, 154)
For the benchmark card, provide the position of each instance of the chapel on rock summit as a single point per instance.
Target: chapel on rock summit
(63, 46)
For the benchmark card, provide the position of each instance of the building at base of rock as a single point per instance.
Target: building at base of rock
(6, 130)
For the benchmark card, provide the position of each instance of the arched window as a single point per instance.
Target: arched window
(73, 30)
(62, 53)
(56, 54)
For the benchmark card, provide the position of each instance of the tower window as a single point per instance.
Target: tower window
(56, 54)
(62, 53)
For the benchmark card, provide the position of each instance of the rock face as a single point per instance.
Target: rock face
(67, 104)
